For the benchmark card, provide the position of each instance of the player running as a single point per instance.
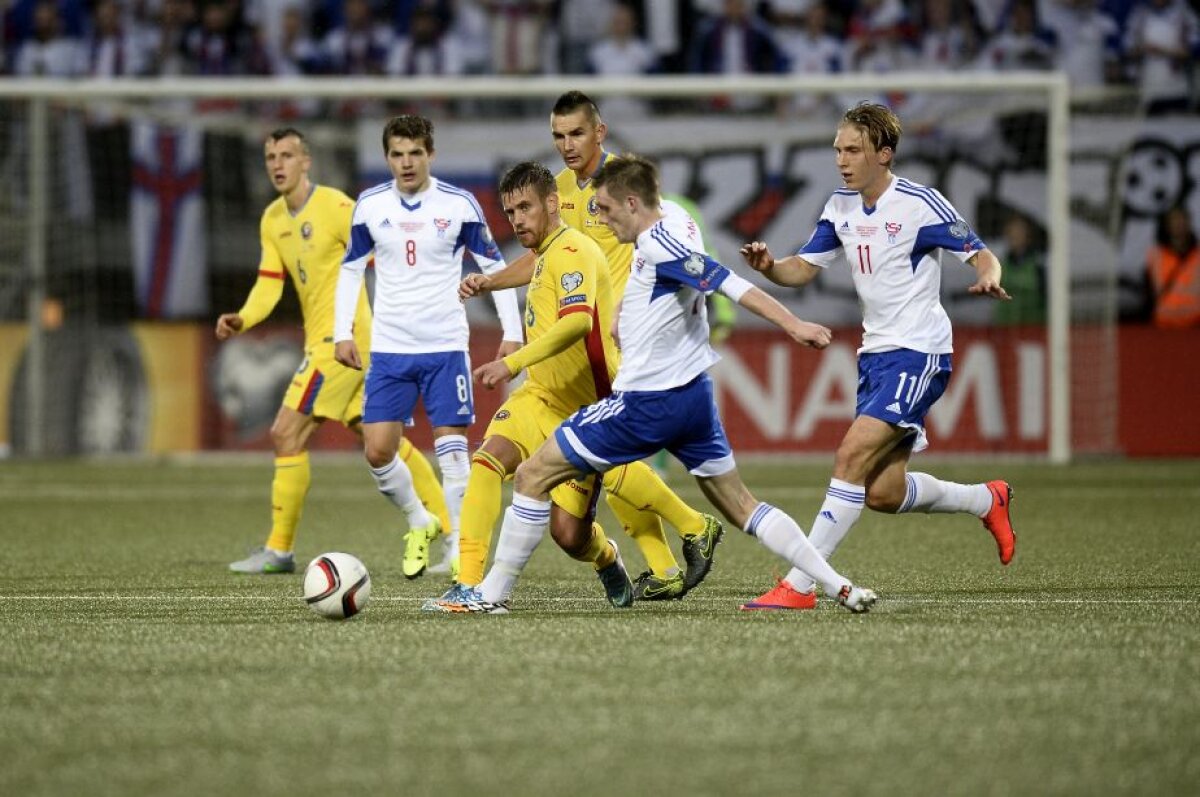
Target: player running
(418, 228)
(662, 397)
(304, 232)
(571, 360)
(891, 231)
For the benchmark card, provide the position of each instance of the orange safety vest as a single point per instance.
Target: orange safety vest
(1176, 281)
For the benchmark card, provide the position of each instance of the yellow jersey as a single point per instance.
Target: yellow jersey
(309, 246)
(571, 276)
(577, 207)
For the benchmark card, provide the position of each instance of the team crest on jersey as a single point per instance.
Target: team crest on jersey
(442, 225)
(960, 229)
(694, 264)
(530, 318)
(571, 281)
(592, 206)
(892, 229)
(306, 230)
(639, 264)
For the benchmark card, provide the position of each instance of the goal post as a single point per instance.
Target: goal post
(763, 111)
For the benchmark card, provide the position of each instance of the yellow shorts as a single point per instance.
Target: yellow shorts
(324, 388)
(526, 420)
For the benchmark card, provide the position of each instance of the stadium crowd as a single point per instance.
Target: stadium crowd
(1149, 43)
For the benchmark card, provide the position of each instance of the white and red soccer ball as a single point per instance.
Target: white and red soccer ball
(336, 585)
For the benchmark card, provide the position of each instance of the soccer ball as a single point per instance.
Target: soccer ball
(336, 585)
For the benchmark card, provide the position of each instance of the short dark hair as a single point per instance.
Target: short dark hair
(574, 101)
(629, 175)
(528, 174)
(418, 128)
(280, 133)
(879, 122)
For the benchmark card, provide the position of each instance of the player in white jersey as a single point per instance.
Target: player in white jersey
(418, 228)
(662, 397)
(891, 231)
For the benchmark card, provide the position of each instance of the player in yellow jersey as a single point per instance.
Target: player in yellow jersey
(579, 134)
(304, 233)
(570, 360)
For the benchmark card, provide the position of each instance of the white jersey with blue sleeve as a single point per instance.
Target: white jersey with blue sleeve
(894, 253)
(418, 242)
(663, 325)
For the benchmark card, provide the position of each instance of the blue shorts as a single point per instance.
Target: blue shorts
(442, 380)
(629, 426)
(899, 387)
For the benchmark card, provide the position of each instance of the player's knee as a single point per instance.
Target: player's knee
(485, 459)
(529, 479)
(378, 456)
(570, 533)
(884, 498)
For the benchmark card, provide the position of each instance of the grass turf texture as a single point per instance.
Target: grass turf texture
(132, 662)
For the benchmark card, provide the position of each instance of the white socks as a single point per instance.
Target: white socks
(784, 537)
(525, 523)
(395, 481)
(927, 494)
(843, 504)
(455, 463)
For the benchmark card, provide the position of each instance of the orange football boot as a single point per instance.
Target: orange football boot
(783, 596)
(998, 520)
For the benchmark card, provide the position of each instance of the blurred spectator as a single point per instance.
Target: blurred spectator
(669, 25)
(360, 45)
(1087, 40)
(1162, 41)
(621, 52)
(112, 49)
(1024, 265)
(581, 24)
(469, 30)
(1020, 44)
(47, 52)
(175, 18)
(294, 52)
(735, 42)
(805, 41)
(1173, 271)
(268, 19)
(517, 27)
(949, 38)
(219, 46)
(426, 50)
(878, 37)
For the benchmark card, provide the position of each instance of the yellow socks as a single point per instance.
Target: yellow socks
(481, 507)
(288, 489)
(637, 484)
(598, 552)
(426, 483)
(644, 528)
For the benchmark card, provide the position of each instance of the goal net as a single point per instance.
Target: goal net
(131, 218)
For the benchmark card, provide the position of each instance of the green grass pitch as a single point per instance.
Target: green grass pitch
(132, 662)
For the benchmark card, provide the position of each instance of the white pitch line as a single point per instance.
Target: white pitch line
(884, 599)
(92, 493)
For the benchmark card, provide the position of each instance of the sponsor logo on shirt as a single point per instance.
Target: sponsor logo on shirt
(865, 230)
(410, 226)
(571, 281)
(386, 223)
(845, 227)
(567, 205)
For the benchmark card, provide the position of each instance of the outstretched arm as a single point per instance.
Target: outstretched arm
(987, 269)
(792, 271)
(762, 304)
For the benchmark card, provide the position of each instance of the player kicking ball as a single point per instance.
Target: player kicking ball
(662, 397)
(892, 232)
